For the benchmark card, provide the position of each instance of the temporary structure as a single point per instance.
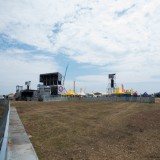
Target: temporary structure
(70, 93)
(118, 91)
(81, 93)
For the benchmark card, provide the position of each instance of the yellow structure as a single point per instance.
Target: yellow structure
(70, 93)
(118, 91)
(129, 92)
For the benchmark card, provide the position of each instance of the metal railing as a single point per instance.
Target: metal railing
(4, 126)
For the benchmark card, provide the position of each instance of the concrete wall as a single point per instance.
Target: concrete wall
(45, 98)
(111, 99)
(117, 99)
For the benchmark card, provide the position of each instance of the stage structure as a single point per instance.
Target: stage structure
(24, 94)
(111, 83)
(52, 82)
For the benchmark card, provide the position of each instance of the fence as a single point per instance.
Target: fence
(4, 125)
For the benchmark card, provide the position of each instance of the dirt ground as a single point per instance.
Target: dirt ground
(75, 130)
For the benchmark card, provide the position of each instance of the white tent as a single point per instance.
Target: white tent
(81, 93)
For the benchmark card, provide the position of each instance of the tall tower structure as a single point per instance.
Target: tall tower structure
(111, 83)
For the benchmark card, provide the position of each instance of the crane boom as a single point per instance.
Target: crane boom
(65, 74)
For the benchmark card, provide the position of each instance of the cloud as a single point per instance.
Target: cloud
(113, 35)
(16, 67)
(6, 43)
(124, 11)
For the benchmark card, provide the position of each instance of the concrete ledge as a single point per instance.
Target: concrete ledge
(20, 147)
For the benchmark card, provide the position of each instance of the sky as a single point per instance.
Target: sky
(95, 37)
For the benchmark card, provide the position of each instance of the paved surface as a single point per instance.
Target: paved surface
(20, 147)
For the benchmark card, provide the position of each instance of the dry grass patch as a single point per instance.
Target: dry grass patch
(77, 130)
(1, 111)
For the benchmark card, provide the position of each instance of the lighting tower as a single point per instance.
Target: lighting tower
(111, 83)
(28, 83)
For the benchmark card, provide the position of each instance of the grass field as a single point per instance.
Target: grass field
(77, 130)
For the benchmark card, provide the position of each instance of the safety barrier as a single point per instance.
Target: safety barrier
(4, 127)
(49, 98)
(117, 99)
(110, 99)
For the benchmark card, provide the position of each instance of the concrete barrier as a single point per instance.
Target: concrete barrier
(47, 98)
(110, 99)
(20, 146)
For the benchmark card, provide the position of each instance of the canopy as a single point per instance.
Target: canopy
(70, 93)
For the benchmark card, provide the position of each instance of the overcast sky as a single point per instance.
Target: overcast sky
(96, 37)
